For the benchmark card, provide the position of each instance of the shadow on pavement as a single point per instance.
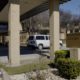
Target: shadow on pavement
(43, 53)
(23, 50)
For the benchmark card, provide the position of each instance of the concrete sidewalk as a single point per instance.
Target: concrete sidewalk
(25, 58)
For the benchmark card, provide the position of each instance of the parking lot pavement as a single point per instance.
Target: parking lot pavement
(23, 51)
(26, 53)
(27, 50)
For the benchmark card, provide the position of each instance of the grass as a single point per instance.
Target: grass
(26, 68)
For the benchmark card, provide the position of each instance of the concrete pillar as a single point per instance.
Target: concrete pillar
(54, 25)
(14, 34)
(75, 53)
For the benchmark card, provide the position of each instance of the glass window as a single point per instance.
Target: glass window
(71, 31)
(40, 37)
(47, 37)
(76, 30)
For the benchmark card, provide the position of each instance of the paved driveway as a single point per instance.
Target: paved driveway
(23, 51)
(26, 53)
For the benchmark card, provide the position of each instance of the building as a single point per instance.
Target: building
(14, 11)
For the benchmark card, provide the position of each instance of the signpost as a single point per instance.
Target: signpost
(73, 40)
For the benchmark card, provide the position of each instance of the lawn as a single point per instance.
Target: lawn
(26, 68)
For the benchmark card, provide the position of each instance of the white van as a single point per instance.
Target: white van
(40, 41)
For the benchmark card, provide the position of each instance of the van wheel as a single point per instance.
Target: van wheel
(40, 47)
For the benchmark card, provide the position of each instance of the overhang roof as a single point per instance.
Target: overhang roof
(3, 3)
(26, 6)
(38, 9)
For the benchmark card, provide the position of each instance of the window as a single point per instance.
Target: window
(40, 37)
(71, 31)
(47, 37)
(76, 30)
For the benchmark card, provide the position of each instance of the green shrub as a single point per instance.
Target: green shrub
(68, 68)
(61, 54)
(67, 53)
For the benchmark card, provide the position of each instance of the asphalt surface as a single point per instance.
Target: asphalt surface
(27, 54)
(23, 50)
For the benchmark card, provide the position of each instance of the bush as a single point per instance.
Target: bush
(68, 68)
(61, 54)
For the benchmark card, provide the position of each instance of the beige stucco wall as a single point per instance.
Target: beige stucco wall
(75, 53)
(23, 39)
(62, 36)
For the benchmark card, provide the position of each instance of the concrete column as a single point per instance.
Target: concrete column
(54, 25)
(14, 34)
(75, 53)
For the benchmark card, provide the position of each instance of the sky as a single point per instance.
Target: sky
(72, 6)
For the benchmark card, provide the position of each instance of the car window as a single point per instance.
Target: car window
(31, 37)
(47, 38)
(40, 37)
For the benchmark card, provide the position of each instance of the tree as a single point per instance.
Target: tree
(65, 18)
(35, 23)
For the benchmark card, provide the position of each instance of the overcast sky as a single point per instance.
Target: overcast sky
(72, 6)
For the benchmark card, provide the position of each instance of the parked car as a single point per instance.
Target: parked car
(40, 41)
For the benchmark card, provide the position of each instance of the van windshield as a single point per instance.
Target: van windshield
(31, 37)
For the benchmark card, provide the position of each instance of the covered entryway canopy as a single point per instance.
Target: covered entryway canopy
(28, 8)
(12, 11)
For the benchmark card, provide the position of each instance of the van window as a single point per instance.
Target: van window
(40, 37)
(31, 37)
(47, 37)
